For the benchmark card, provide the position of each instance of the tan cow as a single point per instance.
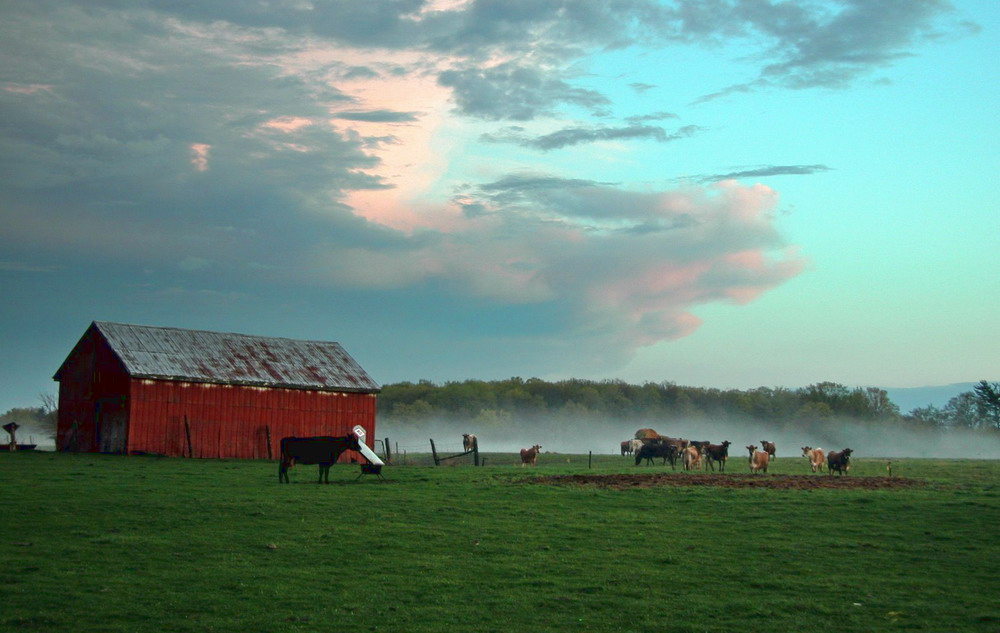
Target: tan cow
(758, 459)
(816, 457)
(468, 442)
(692, 458)
(529, 456)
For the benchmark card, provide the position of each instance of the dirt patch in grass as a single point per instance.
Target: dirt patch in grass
(722, 480)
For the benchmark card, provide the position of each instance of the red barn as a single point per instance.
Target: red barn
(167, 391)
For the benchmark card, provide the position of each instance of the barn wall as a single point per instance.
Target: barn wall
(233, 421)
(93, 386)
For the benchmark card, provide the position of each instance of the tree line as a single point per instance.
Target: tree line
(499, 402)
(502, 400)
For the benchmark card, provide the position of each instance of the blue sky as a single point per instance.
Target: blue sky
(732, 194)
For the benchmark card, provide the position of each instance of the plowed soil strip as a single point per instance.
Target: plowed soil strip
(721, 480)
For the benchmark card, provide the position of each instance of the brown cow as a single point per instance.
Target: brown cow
(758, 459)
(530, 455)
(816, 457)
(768, 447)
(840, 462)
(718, 453)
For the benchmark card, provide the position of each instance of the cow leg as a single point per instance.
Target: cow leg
(283, 473)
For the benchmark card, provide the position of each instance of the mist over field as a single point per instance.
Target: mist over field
(605, 436)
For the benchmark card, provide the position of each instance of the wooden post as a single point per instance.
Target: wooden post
(388, 451)
(590, 459)
(187, 431)
(475, 451)
(268, 429)
(434, 454)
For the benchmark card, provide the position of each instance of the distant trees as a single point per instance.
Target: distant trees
(40, 419)
(988, 402)
(498, 401)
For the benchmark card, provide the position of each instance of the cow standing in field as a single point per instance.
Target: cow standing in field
(314, 450)
(840, 462)
(816, 457)
(718, 453)
(529, 456)
(468, 442)
(758, 459)
(626, 447)
(768, 447)
(657, 449)
(692, 458)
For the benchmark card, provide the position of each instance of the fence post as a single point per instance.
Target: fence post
(475, 451)
(268, 429)
(590, 459)
(187, 431)
(434, 454)
(388, 451)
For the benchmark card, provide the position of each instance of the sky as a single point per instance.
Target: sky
(718, 193)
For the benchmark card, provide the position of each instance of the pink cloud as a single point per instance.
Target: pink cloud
(199, 155)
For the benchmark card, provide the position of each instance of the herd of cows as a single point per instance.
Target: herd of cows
(648, 445)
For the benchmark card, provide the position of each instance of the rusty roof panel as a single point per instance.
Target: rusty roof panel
(241, 359)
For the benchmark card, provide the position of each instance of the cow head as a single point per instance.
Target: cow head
(353, 441)
(751, 448)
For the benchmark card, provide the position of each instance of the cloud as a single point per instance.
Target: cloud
(828, 46)
(554, 245)
(514, 92)
(249, 143)
(655, 116)
(765, 172)
(577, 135)
(22, 267)
(377, 116)
(640, 87)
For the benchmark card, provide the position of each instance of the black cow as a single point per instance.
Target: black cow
(840, 462)
(314, 450)
(718, 453)
(657, 449)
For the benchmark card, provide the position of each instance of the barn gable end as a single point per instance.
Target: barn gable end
(139, 389)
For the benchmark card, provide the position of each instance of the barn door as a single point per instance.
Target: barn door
(111, 426)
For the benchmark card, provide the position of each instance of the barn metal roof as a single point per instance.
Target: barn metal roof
(241, 359)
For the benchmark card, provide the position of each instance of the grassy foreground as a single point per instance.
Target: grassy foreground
(106, 543)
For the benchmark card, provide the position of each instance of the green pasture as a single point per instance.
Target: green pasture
(131, 544)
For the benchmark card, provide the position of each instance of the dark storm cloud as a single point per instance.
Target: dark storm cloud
(770, 170)
(577, 135)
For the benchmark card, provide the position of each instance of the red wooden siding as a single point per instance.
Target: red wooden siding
(233, 421)
(93, 386)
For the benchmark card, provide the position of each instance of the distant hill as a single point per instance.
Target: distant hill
(910, 398)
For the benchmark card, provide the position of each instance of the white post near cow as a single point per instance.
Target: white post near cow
(367, 452)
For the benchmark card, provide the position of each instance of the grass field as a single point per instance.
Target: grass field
(107, 543)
